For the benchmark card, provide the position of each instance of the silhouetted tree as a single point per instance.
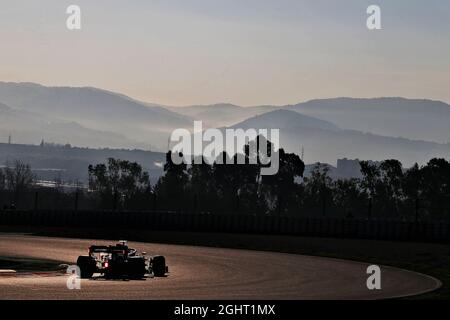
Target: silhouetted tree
(436, 186)
(282, 185)
(202, 187)
(413, 182)
(2, 180)
(318, 189)
(348, 197)
(371, 176)
(249, 194)
(118, 182)
(170, 191)
(19, 178)
(391, 186)
(227, 181)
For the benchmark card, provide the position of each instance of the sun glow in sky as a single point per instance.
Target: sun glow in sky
(248, 52)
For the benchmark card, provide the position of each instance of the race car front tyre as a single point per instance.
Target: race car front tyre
(158, 264)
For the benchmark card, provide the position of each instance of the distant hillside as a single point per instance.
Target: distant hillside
(406, 129)
(96, 109)
(396, 117)
(325, 142)
(219, 115)
(71, 163)
(26, 127)
(286, 120)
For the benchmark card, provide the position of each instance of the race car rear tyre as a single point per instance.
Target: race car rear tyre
(159, 266)
(87, 266)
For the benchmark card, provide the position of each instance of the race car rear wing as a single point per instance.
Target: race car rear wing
(108, 249)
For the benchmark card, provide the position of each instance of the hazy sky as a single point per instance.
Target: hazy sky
(248, 52)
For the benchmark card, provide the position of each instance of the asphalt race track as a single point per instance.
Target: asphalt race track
(205, 273)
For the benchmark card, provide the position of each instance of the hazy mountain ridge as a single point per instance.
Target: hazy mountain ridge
(327, 128)
(417, 119)
(26, 127)
(285, 120)
(327, 143)
(98, 110)
(222, 114)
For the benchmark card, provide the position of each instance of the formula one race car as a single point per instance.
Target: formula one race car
(120, 261)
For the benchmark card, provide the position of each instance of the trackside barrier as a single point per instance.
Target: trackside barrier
(382, 229)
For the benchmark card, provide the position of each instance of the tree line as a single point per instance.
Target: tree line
(16, 178)
(386, 189)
